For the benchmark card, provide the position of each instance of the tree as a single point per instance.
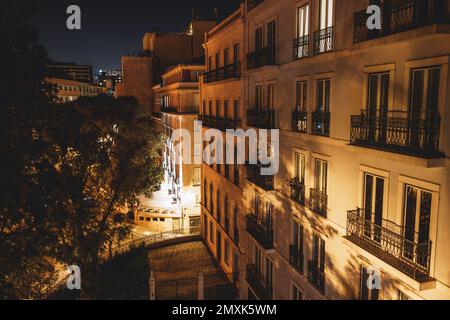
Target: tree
(108, 154)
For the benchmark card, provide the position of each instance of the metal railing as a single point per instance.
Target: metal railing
(387, 241)
(297, 191)
(406, 15)
(220, 123)
(321, 123)
(259, 283)
(261, 57)
(260, 231)
(230, 71)
(316, 277)
(324, 41)
(397, 131)
(262, 118)
(300, 121)
(254, 176)
(318, 202)
(296, 258)
(301, 47)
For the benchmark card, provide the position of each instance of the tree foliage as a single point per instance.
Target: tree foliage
(68, 172)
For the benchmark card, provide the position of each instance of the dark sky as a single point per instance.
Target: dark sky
(111, 28)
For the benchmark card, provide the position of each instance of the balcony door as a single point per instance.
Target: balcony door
(300, 165)
(258, 267)
(258, 97)
(325, 25)
(236, 112)
(270, 96)
(269, 276)
(321, 118)
(302, 31)
(321, 176)
(423, 108)
(417, 224)
(219, 246)
(271, 41)
(259, 39)
(373, 205)
(226, 105)
(217, 109)
(377, 105)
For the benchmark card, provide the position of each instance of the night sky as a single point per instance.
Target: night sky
(111, 28)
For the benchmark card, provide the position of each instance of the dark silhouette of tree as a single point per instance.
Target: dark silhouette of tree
(68, 172)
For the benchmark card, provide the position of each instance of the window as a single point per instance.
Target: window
(236, 54)
(226, 57)
(297, 250)
(321, 117)
(271, 34)
(210, 106)
(226, 205)
(226, 105)
(211, 232)
(217, 60)
(211, 201)
(258, 266)
(301, 46)
(210, 67)
(325, 14)
(403, 296)
(259, 39)
(236, 111)
(301, 95)
(205, 193)
(205, 226)
(373, 205)
(219, 213)
(271, 96)
(417, 216)
(367, 293)
(300, 165)
(197, 176)
(227, 252)
(258, 97)
(323, 39)
(296, 293)
(316, 269)
(236, 224)
(269, 276)
(217, 108)
(321, 176)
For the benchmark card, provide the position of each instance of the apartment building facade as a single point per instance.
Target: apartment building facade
(364, 176)
(179, 99)
(221, 96)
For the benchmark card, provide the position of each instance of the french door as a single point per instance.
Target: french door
(423, 108)
(373, 206)
(377, 106)
(417, 217)
(321, 176)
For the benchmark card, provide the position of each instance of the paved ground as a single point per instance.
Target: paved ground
(182, 260)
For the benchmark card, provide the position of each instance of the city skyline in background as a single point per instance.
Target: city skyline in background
(110, 30)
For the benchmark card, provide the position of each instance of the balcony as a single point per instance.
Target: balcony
(260, 231)
(386, 240)
(301, 47)
(321, 123)
(296, 258)
(324, 41)
(318, 202)
(258, 283)
(397, 132)
(255, 177)
(179, 110)
(261, 57)
(404, 16)
(219, 122)
(297, 191)
(316, 277)
(262, 118)
(231, 71)
(300, 121)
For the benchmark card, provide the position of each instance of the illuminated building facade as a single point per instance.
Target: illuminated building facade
(364, 172)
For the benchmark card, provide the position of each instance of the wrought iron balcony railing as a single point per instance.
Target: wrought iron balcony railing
(321, 123)
(260, 285)
(324, 41)
(397, 131)
(318, 202)
(296, 258)
(262, 118)
(254, 176)
(300, 121)
(301, 47)
(403, 16)
(231, 71)
(297, 191)
(261, 57)
(316, 277)
(260, 231)
(388, 242)
(219, 122)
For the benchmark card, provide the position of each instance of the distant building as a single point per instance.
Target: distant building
(160, 51)
(72, 71)
(108, 79)
(70, 90)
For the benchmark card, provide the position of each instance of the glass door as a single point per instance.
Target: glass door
(373, 206)
(377, 106)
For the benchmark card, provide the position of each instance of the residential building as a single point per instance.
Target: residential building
(221, 100)
(70, 90)
(72, 71)
(364, 171)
